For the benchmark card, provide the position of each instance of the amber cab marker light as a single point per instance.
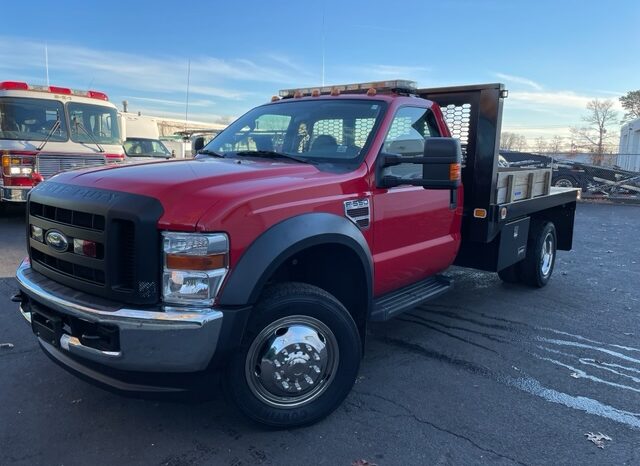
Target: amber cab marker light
(480, 213)
(454, 171)
(185, 262)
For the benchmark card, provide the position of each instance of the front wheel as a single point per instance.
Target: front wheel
(299, 358)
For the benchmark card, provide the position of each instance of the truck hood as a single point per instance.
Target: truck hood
(188, 189)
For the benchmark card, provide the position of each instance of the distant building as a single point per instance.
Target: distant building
(629, 149)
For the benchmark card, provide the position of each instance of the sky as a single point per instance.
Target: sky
(553, 56)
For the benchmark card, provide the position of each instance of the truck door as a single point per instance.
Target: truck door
(416, 233)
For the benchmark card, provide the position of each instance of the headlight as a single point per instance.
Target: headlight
(17, 171)
(195, 266)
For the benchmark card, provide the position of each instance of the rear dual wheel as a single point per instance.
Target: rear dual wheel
(537, 266)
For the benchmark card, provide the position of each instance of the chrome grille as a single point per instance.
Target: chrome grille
(49, 165)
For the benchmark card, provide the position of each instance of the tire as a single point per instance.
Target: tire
(511, 274)
(273, 386)
(537, 267)
(565, 182)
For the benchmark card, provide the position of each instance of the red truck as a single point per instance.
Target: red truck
(265, 257)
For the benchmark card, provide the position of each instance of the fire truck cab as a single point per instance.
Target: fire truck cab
(45, 130)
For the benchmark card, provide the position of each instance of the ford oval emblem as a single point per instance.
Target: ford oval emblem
(56, 240)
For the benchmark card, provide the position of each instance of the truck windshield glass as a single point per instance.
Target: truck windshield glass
(100, 122)
(31, 119)
(332, 130)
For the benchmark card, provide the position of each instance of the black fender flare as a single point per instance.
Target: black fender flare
(281, 241)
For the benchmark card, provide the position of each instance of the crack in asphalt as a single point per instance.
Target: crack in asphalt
(415, 417)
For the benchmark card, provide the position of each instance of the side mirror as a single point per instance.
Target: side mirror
(198, 144)
(441, 162)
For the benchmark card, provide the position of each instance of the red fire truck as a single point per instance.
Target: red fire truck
(48, 129)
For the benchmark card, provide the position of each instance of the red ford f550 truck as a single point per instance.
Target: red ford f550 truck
(266, 256)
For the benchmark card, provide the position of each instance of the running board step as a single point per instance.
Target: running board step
(392, 304)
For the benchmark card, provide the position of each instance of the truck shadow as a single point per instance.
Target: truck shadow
(9, 212)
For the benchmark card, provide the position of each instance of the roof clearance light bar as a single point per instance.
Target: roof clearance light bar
(21, 86)
(379, 86)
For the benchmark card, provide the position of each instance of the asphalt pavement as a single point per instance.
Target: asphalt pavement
(487, 374)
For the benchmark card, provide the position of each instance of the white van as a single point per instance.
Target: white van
(142, 139)
(48, 129)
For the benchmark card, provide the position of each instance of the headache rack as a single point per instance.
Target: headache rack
(493, 195)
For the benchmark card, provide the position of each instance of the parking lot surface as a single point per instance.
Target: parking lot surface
(487, 374)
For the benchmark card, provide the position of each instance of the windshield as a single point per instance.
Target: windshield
(31, 119)
(140, 147)
(92, 124)
(319, 130)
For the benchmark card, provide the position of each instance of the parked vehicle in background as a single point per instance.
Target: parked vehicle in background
(146, 148)
(45, 130)
(142, 138)
(606, 179)
(565, 174)
(178, 146)
(197, 139)
(267, 256)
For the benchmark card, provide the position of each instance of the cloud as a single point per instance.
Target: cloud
(553, 99)
(210, 76)
(395, 71)
(374, 72)
(519, 80)
(176, 103)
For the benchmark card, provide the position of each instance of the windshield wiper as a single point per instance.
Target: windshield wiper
(81, 126)
(273, 154)
(53, 129)
(210, 152)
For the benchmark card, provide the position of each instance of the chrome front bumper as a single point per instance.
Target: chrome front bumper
(166, 339)
(14, 194)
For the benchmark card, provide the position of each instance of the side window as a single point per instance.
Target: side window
(409, 128)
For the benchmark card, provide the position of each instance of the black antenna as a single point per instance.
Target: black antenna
(186, 112)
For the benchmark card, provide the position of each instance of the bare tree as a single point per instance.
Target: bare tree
(541, 145)
(556, 144)
(521, 143)
(595, 136)
(513, 141)
(631, 103)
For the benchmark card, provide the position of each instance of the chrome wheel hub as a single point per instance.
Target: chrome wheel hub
(546, 258)
(292, 361)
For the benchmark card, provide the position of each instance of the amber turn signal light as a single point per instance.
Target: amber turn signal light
(185, 262)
